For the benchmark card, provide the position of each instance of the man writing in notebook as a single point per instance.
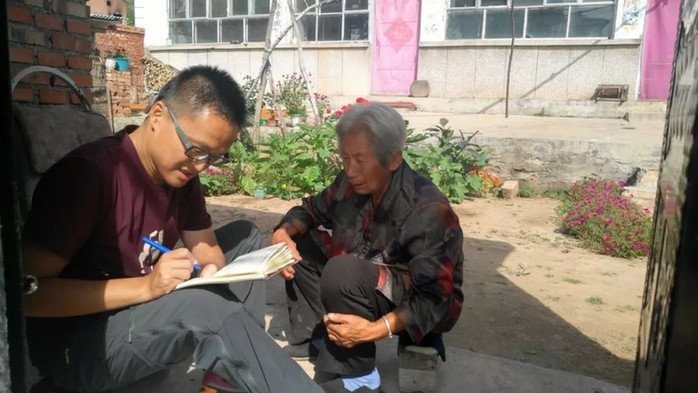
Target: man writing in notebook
(392, 263)
(105, 313)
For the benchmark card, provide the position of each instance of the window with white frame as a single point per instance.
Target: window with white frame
(206, 21)
(473, 19)
(344, 20)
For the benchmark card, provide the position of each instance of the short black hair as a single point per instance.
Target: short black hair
(205, 87)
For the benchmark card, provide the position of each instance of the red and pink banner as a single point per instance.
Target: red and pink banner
(658, 48)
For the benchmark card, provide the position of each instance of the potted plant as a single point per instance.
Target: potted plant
(123, 63)
(292, 95)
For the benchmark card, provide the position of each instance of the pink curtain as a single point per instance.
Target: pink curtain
(658, 48)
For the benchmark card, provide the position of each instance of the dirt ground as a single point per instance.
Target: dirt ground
(530, 293)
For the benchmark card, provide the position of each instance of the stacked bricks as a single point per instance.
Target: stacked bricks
(53, 33)
(121, 91)
(130, 40)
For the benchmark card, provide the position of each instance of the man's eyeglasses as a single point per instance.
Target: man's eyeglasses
(196, 153)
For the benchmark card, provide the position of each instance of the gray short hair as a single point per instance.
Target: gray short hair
(384, 126)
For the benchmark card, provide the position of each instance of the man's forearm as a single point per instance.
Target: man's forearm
(62, 297)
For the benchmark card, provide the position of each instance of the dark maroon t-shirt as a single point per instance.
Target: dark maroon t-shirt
(94, 206)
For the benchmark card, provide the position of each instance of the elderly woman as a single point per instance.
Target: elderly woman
(381, 253)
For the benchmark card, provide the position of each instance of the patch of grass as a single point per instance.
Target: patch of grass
(594, 300)
(626, 308)
(549, 275)
(608, 274)
(526, 192)
(559, 195)
(571, 280)
(553, 298)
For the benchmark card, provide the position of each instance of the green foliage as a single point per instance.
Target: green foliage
(603, 220)
(526, 192)
(301, 163)
(305, 162)
(218, 181)
(268, 101)
(452, 163)
(293, 93)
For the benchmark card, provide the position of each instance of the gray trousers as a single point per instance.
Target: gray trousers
(222, 326)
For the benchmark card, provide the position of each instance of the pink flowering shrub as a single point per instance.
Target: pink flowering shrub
(218, 181)
(604, 221)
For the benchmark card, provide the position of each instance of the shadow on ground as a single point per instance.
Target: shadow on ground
(498, 317)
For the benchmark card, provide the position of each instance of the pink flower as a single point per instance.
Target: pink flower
(606, 239)
(338, 113)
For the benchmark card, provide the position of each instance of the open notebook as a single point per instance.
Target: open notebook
(256, 265)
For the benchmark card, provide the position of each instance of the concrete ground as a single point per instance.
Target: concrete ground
(542, 127)
(465, 371)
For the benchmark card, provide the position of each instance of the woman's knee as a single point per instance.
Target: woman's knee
(347, 274)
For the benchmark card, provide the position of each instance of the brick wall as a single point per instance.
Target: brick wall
(125, 87)
(54, 33)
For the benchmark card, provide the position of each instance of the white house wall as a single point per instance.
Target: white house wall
(334, 71)
(543, 71)
(152, 16)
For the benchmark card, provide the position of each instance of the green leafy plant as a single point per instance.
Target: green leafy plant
(249, 85)
(288, 166)
(293, 93)
(596, 213)
(218, 181)
(452, 163)
(526, 192)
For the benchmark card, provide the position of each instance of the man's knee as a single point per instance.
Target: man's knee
(203, 309)
(346, 275)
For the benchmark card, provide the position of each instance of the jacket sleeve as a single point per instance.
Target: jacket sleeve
(433, 240)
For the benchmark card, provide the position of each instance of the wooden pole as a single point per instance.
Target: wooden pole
(301, 63)
(263, 81)
(511, 57)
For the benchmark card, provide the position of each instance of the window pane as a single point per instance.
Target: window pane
(561, 1)
(232, 30)
(547, 22)
(486, 3)
(591, 21)
(499, 23)
(197, 8)
(356, 5)
(521, 3)
(261, 7)
(303, 4)
(356, 27)
(178, 9)
(206, 30)
(307, 27)
(332, 7)
(463, 25)
(219, 8)
(180, 32)
(329, 28)
(462, 3)
(257, 30)
(240, 7)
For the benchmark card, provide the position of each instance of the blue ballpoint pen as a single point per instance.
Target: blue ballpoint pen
(164, 249)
